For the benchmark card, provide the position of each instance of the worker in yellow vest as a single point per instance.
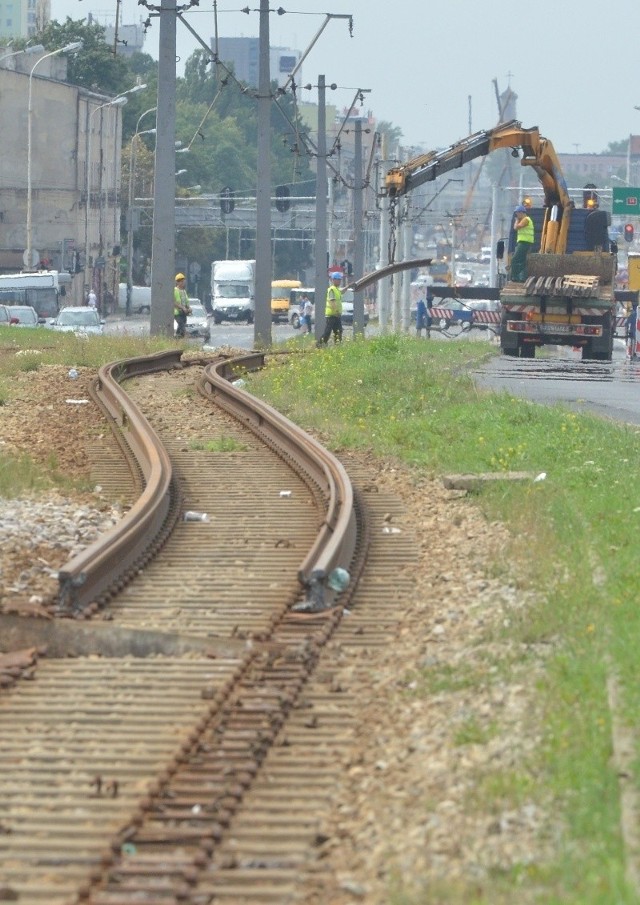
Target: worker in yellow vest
(333, 311)
(523, 225)
(181, 304)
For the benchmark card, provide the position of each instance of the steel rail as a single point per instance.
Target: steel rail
(92, 571)
(336, 541)
(106, 563)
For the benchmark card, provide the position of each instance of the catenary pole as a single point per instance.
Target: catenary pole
(321, 277)
(163, 249)
(407, 230)
(358, 233)
(384, 285)
(262, 323)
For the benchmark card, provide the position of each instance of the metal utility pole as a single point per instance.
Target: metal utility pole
(384, 285)
(321, 276)
(262, 321)
(163, 249)
(358, 247)
(493, 266)
(397, 279)
(406, 274)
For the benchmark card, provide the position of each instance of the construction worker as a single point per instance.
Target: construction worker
(632, 330)
(333, 311)
(523, 225)
(181, 304)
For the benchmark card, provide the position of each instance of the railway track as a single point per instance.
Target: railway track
(182, 734)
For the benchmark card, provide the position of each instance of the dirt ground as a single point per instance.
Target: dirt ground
(428, 811)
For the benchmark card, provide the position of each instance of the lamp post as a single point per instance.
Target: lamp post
(35, 48)
(116, 102)
(68, 48)
(132, 165)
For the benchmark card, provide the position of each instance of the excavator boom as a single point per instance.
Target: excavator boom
(538, 152)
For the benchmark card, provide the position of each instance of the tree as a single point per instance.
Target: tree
(95, 67)
(393, 133)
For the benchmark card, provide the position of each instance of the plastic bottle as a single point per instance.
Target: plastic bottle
(191, 516)
(338, 579)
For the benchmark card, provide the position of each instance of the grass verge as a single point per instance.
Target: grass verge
(573, 544)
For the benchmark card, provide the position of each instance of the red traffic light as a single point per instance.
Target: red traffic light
(628, 232)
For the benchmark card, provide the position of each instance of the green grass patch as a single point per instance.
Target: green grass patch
(26, 351)
(218, 444)
(573, 552)
(20, 476)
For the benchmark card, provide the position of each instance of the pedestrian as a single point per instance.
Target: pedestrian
(306, 311)
(429, 310)
(632, 329)
(108, 301)
(181, 304)
(333, 311)
(525, 234)
(92, 299)
(421, 317)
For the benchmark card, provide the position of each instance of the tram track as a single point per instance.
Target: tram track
(181, 749)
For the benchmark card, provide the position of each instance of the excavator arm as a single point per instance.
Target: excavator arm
(537, 152)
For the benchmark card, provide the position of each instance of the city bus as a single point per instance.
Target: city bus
(44, 290)
(281, 298)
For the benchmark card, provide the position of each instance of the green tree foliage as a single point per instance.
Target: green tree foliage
(216, 120)
(95, 67)
(393, 133)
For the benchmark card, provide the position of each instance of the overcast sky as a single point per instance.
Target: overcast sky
(430, 67)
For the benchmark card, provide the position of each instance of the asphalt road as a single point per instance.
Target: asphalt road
(610, 389)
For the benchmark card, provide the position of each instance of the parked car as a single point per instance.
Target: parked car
(295, 315)
(347, 308)
(197, 321)
(82, 320)
(24, 316)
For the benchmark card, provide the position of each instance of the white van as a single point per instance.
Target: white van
(140, 298)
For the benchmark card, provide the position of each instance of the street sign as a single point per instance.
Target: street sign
(626, 201)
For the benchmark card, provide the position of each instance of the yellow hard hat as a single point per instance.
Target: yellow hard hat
(180, 276)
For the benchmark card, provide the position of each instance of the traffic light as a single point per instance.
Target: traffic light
(282, 198)
(227, 202)
(589, 197)
(628, 232)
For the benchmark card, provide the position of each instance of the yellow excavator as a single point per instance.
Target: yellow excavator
(567, 297)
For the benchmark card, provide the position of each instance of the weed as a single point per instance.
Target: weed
(220, 444)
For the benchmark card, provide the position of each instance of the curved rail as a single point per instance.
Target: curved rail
(107, 562)
(94, 569)
(336, 541)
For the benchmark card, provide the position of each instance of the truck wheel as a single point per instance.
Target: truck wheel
(250, 317)
(217, 319)
(295, 321)
(527, 350)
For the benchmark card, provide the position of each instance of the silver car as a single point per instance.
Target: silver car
(82, 320)
(197, 321)
(24, 316)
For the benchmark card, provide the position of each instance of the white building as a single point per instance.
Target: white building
(54, 167)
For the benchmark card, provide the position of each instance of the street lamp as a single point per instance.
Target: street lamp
(68, 48)
(116, 102)
(132, 165)
(34, 48)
